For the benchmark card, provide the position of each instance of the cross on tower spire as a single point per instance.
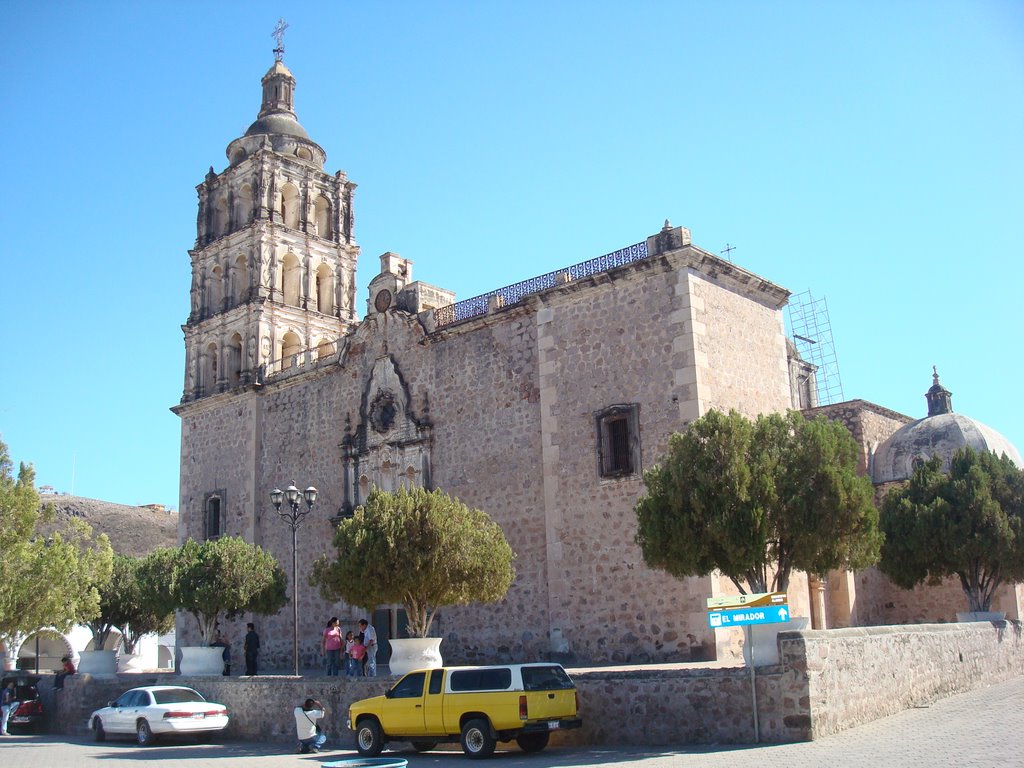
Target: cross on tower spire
(278, 35)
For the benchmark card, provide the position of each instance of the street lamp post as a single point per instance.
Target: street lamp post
(293, 516)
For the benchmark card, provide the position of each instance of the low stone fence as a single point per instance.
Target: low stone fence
(827, 681)
(857, 675)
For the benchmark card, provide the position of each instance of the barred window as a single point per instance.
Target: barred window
(214, 516)
(618, 440)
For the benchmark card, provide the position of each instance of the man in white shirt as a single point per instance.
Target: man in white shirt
(370, 641)
(311, 738)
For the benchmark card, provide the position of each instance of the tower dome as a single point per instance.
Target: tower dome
(941, 433)
(276, 124)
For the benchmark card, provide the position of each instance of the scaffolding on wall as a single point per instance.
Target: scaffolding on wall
(811, 331)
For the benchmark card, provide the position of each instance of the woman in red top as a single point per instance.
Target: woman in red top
(330, 646)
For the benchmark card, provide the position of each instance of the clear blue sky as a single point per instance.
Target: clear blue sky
(871, 152)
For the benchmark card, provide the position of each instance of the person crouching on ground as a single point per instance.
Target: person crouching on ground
(307, 726)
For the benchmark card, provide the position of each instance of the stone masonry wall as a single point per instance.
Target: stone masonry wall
(827, 681)
(512, 399)
(857, 675)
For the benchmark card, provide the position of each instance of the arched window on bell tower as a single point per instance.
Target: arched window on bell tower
(208, 378)
(239, 281)
(220, 216)
(291, 345)
(214, 291)
(290, 206)
(234, 361)
(325, 289)
(243, 206)
(323, 218)
(291, 274)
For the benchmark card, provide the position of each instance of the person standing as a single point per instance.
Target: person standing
(307, 726)
(222, 642)
(330, 646)
(350, 662)
(8, 702)
(370, 641)
(252, 649)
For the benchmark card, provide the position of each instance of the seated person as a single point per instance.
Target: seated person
(69, 669)
(307, 727)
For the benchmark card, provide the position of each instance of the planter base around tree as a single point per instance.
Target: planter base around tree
(201, 661)
(97, 663)
(410, 653)
(131, 662)
(764, 640)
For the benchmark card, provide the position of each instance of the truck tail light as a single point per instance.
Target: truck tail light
(522, 708)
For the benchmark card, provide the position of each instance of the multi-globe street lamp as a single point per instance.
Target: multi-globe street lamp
(293, 516)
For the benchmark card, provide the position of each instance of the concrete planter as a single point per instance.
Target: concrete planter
(131, 662)
(764, 640)
(97, 663)
(201, 661)
(981, 616)
(412, 653)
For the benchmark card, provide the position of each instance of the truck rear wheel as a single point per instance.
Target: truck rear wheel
(533, 742)
(477, 741)
(369, 738)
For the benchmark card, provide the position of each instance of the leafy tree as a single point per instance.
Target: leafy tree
(755, 500)
(423, 549)
(967, 523)
(48, 580)
(124, 606)
(222, 576)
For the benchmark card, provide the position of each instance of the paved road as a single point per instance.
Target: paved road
(982, 729)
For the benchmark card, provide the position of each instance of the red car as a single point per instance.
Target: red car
(29, 714)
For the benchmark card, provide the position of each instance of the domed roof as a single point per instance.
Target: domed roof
(942, 433)
(278, 123)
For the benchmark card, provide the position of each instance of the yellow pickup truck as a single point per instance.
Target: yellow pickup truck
(476, 706)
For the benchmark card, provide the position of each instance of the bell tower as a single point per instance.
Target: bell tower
(273, 267)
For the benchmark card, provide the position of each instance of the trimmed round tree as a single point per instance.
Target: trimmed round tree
(756, 500)
(422, 549)
(967, 523)
(225, 576)
(127, 606)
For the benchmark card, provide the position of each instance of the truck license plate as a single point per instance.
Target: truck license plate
(552, 725)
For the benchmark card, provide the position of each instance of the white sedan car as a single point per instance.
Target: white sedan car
(153, 710)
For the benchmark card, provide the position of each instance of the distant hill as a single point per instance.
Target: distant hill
(132, 530)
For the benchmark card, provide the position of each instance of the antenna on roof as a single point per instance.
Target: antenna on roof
(278, 35)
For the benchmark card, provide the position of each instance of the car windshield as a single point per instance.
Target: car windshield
(176, 696)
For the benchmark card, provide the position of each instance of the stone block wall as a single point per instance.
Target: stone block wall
(857, 675)
(827, 681)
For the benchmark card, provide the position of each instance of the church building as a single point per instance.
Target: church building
(540, 403)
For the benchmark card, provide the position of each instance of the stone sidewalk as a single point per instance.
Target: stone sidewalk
(982, 729)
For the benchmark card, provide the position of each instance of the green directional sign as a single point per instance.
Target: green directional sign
(756, 600)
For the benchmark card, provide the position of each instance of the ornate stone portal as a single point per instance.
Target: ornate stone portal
(390, 446)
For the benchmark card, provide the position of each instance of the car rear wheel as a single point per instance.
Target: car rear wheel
(424, 746)
(533, 742)
(144, 734)
(477, 741)
(97, 730)
(369, 738)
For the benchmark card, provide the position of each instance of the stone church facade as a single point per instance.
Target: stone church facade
(540, 403)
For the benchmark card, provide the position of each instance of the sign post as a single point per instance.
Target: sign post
(745, 611)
